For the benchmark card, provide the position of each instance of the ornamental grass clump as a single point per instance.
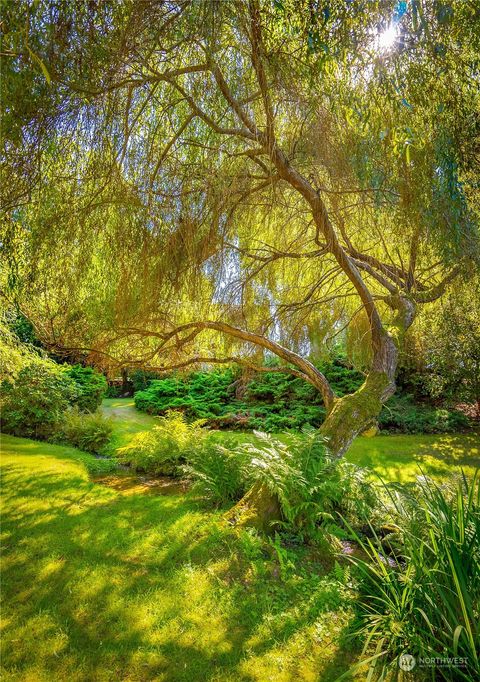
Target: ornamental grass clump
(424, 600)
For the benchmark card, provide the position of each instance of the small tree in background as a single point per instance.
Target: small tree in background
(452, 349)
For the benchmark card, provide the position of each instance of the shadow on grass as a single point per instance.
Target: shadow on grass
(98, 585)
(402, 457)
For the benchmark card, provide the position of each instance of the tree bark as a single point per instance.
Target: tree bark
(355, 413)
(259, 509)
(348, 417)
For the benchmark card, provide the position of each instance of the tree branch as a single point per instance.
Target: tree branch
(307, 369)
(439, 289)
(198, 360)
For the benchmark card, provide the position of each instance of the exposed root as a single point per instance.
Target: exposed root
(257, 509)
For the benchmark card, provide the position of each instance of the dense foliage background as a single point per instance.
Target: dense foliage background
(273, 401)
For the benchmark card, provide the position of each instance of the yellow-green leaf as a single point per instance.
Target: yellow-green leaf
(41, 64)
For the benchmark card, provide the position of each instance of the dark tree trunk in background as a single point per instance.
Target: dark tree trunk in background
(126, 384)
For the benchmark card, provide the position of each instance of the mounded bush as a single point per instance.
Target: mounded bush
(113, 391)
(274, 401)
(201, 395)
(37, 403)
(34, 404)
(91, 387)
(141, 379)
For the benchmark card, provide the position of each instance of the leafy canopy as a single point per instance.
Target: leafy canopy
(181, 151)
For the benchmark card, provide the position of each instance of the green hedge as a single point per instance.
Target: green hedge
(275, 401)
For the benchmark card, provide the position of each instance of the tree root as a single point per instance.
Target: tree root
(258, 509)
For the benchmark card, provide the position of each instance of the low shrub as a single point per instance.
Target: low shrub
(424, 600)
(164, 449)
(201, 395)
(91, 387)
(35, 402)
(403, 415)
(273, 401)
(90, 432)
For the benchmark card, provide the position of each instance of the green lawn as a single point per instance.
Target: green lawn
(99, 584)
(398, 458)
(402, 458)
(127, 419)
(106, 584)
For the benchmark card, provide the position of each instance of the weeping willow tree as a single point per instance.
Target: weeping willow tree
(199, 182)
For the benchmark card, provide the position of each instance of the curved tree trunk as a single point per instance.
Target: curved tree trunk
(348, 417)
(355, 413)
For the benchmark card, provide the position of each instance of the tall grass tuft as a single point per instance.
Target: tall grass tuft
(424, 599)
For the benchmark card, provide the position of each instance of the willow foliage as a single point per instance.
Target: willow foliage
(139, 199)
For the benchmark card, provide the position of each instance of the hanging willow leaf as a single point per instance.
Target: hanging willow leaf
(41, 64)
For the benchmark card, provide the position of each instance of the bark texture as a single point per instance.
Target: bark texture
(347, 417)
(257, 509)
